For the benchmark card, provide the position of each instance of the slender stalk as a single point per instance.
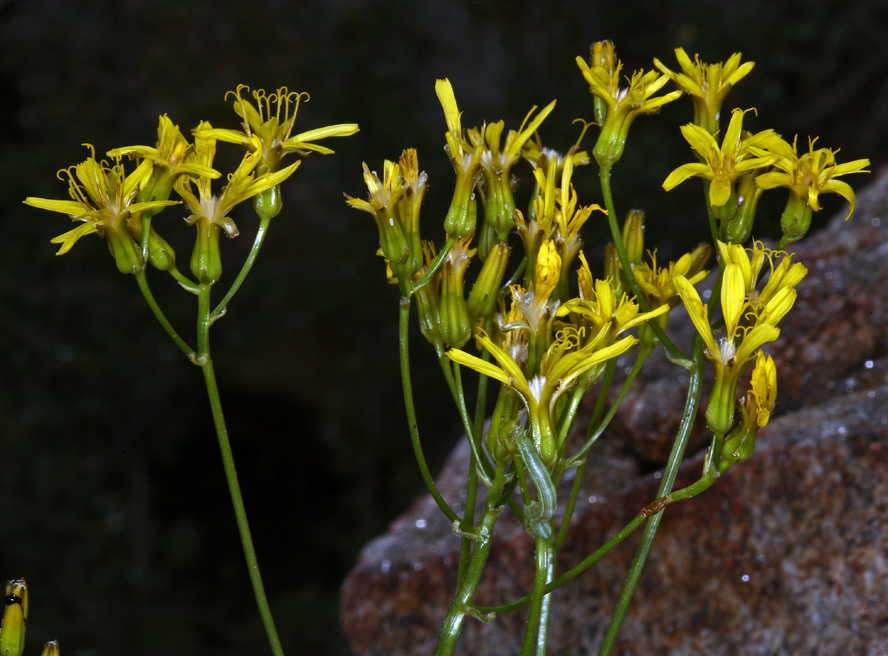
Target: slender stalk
(454, 381)
(468, 524)
(463, 601)
(546, 609)
(604, 177)
(541, 576)
(155, 308)
(403, 334)
(245, 269)
(205, 362)
(585, 564)
(669, 474)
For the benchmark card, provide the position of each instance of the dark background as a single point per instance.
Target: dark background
(113, 502)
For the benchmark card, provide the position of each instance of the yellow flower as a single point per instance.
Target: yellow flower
(268, 125)
(811, 174)
(806, 176)
(725, 163)
(755, 412)
(602, 311)
(564, 364)
(706, 84)
(658, 283)
(496, 167)
(209, 212)
(466, 161)
(763, 395)
(172, 157)
(750, 322)
(103, 198)
(623, 104)
(556, 217)
(394, 203)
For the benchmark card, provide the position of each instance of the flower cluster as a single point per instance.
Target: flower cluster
(119, 206)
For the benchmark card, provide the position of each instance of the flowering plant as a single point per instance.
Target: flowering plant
(548, 341)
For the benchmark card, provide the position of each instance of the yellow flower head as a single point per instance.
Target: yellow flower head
(103, 198)
(603, 311)
(658, 283)
(750, 322)
(548, 270)
(725, 163)
(706, 84)
(540, 157)
(242, 185)
(268, 124)
(172, 157)
(394, 202)
(466, 161)
(623, 104)
(763, 393)
(565, 363)
(496, 166)
(810, 174)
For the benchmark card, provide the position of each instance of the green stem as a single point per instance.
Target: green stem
(468, 524)
(205, 362)
(454, 381)
(604, 176)
(184, 281)
(463, 600)
(155, 308)
(590, 560)
(245, 269)
(403, 334)
(541, 576)
(669, 474)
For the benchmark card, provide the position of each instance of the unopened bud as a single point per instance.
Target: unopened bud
(268, 203)
(796, 219)
(633, 236)
(739, 229)
(463, 213)
(482, 298)
(206, 262)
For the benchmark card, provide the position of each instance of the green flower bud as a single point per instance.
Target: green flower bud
(160, 254)
(499, 210)
(482, 298)
(268, 204)
(722, 402)
(739, 229)
(463, 213)
(633, 236)
(453, 315)
(124, 250)
(796, 219)
(206, 262)
(739, 446)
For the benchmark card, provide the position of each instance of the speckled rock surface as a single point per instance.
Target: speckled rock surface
(786, 554)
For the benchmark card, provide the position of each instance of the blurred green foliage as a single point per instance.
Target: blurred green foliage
(112, 497)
